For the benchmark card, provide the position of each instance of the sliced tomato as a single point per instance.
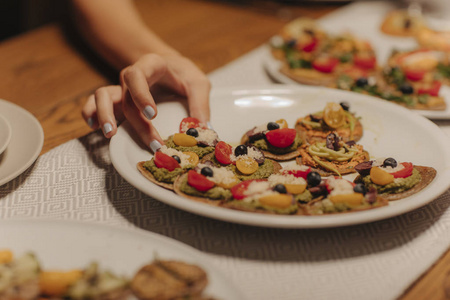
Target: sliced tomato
(325, 64)
(223, 153)
(239, 189)
(281, 138)
(298, 173)
(432, 90)
(199, 181)
(405, 172)
(189, 122)
(366, 62)
(414, 75)
(165, 161)
(310, 46)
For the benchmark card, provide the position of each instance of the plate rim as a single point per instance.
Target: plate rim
(4, 121)
(280, 221)
(40, 134)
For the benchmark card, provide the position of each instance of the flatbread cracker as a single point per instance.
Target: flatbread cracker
(147, 174)
(313, 135)
(177, 189)
(427, 174)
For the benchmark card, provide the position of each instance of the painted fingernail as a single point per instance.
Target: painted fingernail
(209, 125)
(107, 128)
(90, 122)
(149, 112)
(155, 145)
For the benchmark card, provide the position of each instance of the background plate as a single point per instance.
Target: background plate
(63, 245)
(26, 142)
(366, 26)
(390, 130)
(5, 134)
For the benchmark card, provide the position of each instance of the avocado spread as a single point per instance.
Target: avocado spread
(264, 145)
(304, 197)
(256, 205)
(216, 193)
(161, 174)
(200, 151)
(399, 185)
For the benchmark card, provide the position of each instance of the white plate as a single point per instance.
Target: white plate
(5, 134)
(26, 142)
(64, 245)
(390, 130)
(367, 26)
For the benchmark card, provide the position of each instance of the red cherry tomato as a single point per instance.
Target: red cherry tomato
(432, 90)
(298, 173)
(281, 138)
(223, 153)
(165, 161)
(325, 64)
(187, 123)
(366, 62)
(199, 181)
(310, 46)
(239, 189)
(405, 172)
(414, 75)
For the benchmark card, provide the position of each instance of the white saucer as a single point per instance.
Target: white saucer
(5, 134)
(27, 139)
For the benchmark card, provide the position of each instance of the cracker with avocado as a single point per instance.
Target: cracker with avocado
(214, 196)
(147, 174)
(426, 174)
(322, 206)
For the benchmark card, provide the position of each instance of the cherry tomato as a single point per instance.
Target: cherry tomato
(432, 90)
(310, 46)
(199, 181)
(165, 161)
(223, 153)
(281, 138)
(325, 64)
(405, 172)
(414, 75)
(298, 173)
(189, 122)
(366, 62)
(239, 189)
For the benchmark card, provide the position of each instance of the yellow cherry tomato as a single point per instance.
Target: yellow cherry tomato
(282, 123)
(247, 165)
(276, 200)
(380, 177)
(334, 115)
(182, 139)
(193, 157)
(295, 188)
(56, 283)
(6, 256)
(353, 199)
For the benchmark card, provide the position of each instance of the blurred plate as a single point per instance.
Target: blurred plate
(389, 131)
(27, 139)
(5, 134)
(64, 245)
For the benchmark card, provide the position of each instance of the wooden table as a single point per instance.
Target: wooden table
(50, 72)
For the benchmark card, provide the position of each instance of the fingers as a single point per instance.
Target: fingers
(198, 100)
(101, 109)
(142, 126)
(137, 79)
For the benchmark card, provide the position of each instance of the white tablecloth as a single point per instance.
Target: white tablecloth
(379, 260)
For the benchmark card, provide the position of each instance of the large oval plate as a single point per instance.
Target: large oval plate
(390, 130)
(66, 245)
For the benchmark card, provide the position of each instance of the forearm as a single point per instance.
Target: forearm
(116, 31)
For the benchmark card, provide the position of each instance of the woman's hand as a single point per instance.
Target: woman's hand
(133, 101)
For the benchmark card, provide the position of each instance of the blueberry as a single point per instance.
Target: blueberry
(345, 105)
(177, 158)
(362, 82)
(272, 126)
(360, 188)
(291, 43)
(240, 150)
(192, 131)
(280, 188)
(207, 171)
(313, 178)
(406, 89)
(390, 162)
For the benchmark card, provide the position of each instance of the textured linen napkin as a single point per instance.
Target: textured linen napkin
(378, 260)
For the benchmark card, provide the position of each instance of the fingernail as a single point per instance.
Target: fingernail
(107, 128)
(155, 145)
(90, 122)
(149, 112)
(209, 125)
